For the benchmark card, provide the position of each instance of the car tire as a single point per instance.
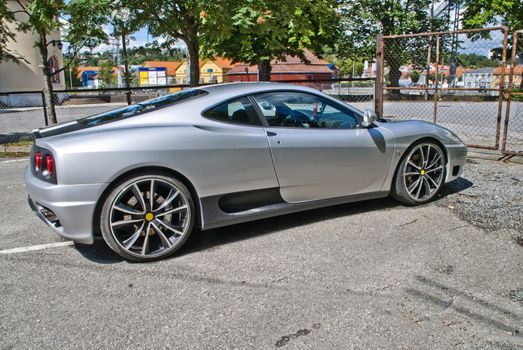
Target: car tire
(140, 227)
(420, 175)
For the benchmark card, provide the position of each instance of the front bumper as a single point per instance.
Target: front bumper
(457, 155)
(67, 209)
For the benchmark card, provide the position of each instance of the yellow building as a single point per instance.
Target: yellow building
(28, 76)
(517, 77)
(211, 71)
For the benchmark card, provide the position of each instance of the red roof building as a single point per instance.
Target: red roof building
(291, 68)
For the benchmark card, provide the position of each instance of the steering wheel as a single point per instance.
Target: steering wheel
(300, 116)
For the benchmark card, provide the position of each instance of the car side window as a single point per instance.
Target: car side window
(302, 110)
(238, 111)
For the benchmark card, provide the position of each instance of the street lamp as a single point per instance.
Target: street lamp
(57, 43)
(120, 18)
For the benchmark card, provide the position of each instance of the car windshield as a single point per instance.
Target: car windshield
(139, 108)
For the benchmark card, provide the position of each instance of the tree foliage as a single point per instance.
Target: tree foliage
(154, 52)
(474, 60)
(482, 13)
(80, 20)
(106, 76)
(347, 66)
(175, 20)
(363, 20)
(414, 76)
(6, 34)
(256, 31)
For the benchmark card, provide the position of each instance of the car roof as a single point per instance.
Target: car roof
(243, 88)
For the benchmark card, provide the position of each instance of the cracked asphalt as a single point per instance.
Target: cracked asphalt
(368, 275)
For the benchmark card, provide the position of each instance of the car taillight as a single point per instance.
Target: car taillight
(49, 161)
(38, 161)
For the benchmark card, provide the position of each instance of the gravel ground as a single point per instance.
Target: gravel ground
(489, 195)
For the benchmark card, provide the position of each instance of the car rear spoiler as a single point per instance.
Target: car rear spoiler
(57, 130)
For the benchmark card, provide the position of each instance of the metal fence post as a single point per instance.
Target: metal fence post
(510, 88)
(46, 120)
(378, 85)
(435, 112)
(501, 87)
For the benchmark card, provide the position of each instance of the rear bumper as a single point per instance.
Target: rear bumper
(457, 155)
(67, 209)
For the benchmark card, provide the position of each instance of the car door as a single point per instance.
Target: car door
(320, 150)
(236, 156)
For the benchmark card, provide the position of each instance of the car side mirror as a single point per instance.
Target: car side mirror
(369, 117)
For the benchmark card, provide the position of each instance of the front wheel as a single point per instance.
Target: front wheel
(420, 175)
(147, 217)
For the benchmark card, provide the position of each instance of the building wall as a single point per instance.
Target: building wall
(279, 76)
(27, 76)
(210, 72)
(181, 74)
(516, 79)
(216, 76)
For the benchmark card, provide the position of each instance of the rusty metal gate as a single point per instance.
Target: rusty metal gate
(512, 143)
(453, 78)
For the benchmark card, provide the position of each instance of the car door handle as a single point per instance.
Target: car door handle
(271, 133)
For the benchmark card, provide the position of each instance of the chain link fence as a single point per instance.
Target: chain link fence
(449, 78)
(22, 112)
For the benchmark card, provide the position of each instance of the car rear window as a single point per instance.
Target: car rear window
(142, 107)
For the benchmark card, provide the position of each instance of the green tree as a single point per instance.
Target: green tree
(258, 31)
(347, 66)
(414, 76)
(176, 20)
(363, 20)
(6, 34)
(154, 52)
(72, 65)
(482, 13)
(106, 75)
(473, 60)
(42, 17)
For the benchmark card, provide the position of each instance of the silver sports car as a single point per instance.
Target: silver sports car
(144, 176)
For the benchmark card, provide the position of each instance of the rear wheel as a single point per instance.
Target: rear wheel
(420, 175)
(147, 217)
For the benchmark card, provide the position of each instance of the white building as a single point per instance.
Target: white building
(28, 76)
(478, 78)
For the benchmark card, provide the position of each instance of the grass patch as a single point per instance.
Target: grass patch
(14, 154)
(19, 143)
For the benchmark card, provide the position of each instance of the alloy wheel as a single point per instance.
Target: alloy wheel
(423, 172)
(149, 217)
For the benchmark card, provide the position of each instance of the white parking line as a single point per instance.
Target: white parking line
(35, 247)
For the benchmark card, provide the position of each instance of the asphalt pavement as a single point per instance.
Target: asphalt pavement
(369, 275)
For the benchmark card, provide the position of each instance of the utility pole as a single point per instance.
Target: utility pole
(454, 46)
(70, 77)
(188, 69)
(429, 53)
(120, 19)
(126, 65)
(117, 54)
